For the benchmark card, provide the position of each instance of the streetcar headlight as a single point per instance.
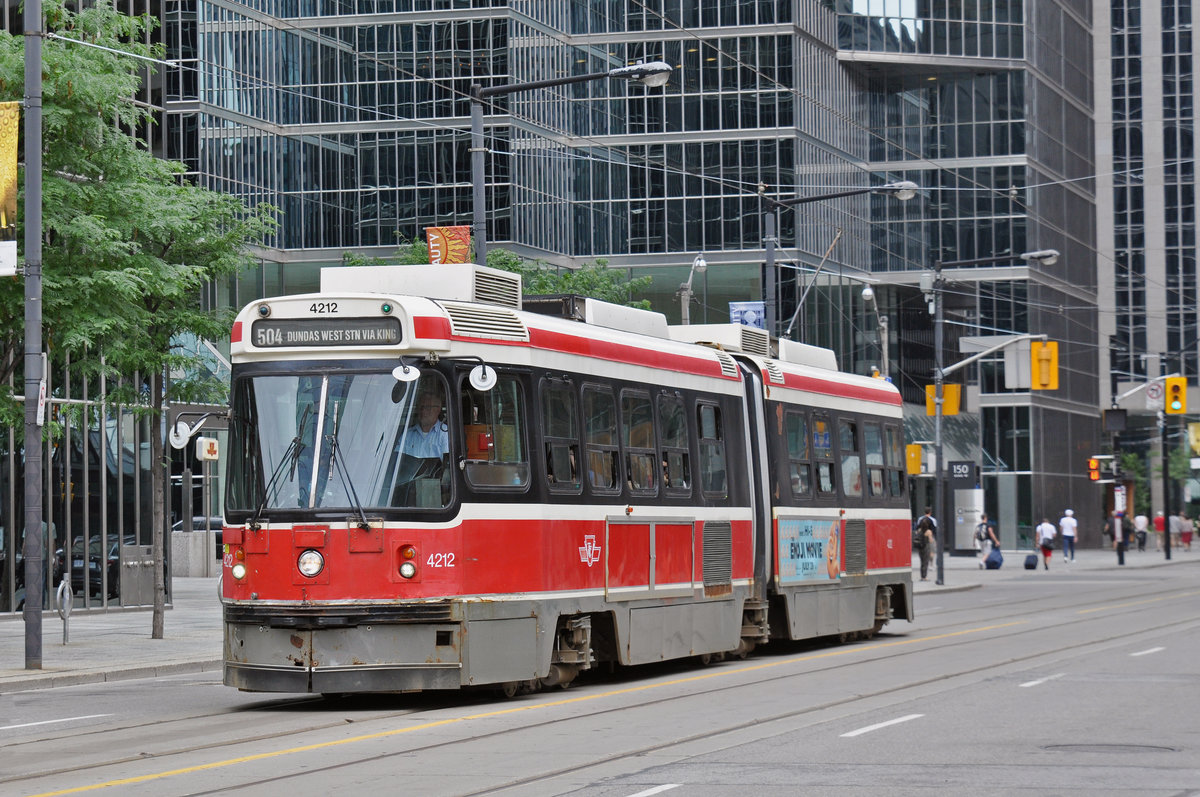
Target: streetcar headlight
(408, 569)
(310, 563)
(239, 571)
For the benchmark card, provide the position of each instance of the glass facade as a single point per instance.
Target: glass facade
(1138, 143)
(353, 120)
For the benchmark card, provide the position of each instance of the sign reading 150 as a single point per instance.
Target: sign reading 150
(960, 471)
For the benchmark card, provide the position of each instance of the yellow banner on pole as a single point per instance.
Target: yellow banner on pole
(10, 124)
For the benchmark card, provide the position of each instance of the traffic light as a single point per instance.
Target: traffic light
(951, 399)
(1044, 364)
(1176, 399)
(1093, 469)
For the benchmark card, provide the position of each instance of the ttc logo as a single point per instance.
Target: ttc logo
(589, 552)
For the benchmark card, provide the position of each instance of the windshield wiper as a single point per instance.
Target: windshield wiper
(336, 462)
(291, 456)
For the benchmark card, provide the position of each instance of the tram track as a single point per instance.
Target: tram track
(941, 637)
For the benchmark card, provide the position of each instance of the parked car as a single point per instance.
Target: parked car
(198, 524)
(95, 561)
(199, 521)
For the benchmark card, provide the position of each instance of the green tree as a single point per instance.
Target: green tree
(1133, 469)
(129, 241)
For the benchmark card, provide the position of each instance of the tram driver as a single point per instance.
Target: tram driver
(427, 438)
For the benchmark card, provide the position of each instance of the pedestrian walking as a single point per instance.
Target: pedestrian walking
(1186, 527)
(1160, 528)
(1141, 525)
(1069, 526)
(925, 539)
(1115, 528)
(985, 537)
(1045, 537)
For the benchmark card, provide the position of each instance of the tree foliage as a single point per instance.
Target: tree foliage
(128, 241)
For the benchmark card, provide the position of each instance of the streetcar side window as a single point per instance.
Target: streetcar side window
(873, 448)
(560, 424)
(852, 485)
(672, 425)
(894, 455)
(822, 442)
(799, 467)
(637, 433)
(713, 480)
(494, 430)
(600, 438)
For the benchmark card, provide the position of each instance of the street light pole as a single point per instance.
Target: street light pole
(699, 266)
(903, 190)
(939, 377)
(868, 294)
(33, 549)
(932, 286)
(651, 74)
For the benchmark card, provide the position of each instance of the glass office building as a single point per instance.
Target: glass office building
(1145, 98)
(352, 119)
(989, 106)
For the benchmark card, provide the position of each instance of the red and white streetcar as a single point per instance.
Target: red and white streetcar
(432, 488)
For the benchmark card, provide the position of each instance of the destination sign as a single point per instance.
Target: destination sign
(269, 333)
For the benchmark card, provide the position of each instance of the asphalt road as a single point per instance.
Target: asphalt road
(1063, 683)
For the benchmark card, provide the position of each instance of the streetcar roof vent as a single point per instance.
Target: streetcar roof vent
(803, 354)
(598, 313)
(478, 321)
(774, 372)
(728, 366)
(730, 337)
(463, 282)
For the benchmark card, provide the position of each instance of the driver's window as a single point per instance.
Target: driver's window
(419, 475)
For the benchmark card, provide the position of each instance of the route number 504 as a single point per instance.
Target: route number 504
(441, 560)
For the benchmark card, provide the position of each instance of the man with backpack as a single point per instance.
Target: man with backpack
(985, 536)
(925, 540)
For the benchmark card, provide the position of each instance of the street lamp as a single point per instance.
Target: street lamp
(931, 285)
(903, 190)
(651, 74)
(699, 266)
(868, 294)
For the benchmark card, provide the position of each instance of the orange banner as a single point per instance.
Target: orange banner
(448, 244)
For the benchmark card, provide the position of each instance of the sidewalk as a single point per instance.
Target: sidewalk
(116, 644)
(963, 572)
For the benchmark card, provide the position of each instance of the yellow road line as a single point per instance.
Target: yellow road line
(515, 709)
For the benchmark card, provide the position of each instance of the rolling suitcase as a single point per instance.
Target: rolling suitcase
(994, 560)
(1031, 562)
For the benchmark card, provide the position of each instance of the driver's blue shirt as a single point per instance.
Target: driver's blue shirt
(426, 445)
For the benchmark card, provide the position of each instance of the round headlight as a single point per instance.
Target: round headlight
(239, 571)
(408, 569)
(311, 563)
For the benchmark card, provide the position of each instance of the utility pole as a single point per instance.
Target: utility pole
(35, 571)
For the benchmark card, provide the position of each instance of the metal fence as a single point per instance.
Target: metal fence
(96, 500)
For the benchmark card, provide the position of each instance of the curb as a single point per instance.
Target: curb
(53, 680)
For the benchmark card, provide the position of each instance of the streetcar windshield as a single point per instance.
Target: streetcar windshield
(338, 441)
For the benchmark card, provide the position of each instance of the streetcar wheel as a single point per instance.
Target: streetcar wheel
(705, 659)
(510, 689)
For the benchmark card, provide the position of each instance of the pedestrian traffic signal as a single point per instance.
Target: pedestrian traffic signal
(1176, 400)
(1093, 469)
(1044, 365)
